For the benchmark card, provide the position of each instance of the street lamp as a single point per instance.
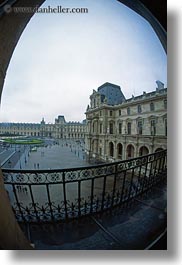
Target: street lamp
(19, 158)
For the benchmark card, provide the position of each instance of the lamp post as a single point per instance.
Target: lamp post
(25, 159)
(19, 158)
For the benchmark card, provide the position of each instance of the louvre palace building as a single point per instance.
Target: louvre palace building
(120, 128)
(59, 130)
(115, 127)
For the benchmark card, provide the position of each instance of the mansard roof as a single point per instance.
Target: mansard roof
(108, 84)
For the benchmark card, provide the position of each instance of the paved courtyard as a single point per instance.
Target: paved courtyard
(54, 156)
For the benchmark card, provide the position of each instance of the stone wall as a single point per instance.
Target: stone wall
(11, 28)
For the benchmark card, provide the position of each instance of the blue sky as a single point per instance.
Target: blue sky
(61, 58)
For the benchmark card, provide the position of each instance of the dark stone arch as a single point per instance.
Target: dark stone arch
(119, 151)
(143, 151)
(159, 149)
(130, 151)
(111, 149)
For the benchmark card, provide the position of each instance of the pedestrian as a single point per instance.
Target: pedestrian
(37, 165)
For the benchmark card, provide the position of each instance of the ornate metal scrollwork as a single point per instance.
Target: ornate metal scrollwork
(107, 185)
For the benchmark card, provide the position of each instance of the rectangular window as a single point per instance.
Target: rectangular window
(111, 128)
(129, 127)
(119, 112)
(139, 107)
(153, 127)
(166, 127)
(120, 128)
(152, 107)
(165, 104)
(101, 128)
(100, 151)
(93, 127)
(110, 112)
(140, 127)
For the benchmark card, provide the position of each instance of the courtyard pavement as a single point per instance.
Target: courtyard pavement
(53, 155)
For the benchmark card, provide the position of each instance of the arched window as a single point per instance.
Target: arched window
(119, 150)
(143, 151)
(130, 151)
(159, 149)
(111, 149)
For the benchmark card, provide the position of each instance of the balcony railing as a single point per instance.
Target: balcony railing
(54, 195)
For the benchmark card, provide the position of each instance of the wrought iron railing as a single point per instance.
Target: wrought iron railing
(53, 195)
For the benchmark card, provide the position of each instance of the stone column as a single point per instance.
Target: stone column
(11, 236)
(11, 28)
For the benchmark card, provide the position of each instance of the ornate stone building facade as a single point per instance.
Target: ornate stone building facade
(59, 130)
(119, 128)
(115, 127)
